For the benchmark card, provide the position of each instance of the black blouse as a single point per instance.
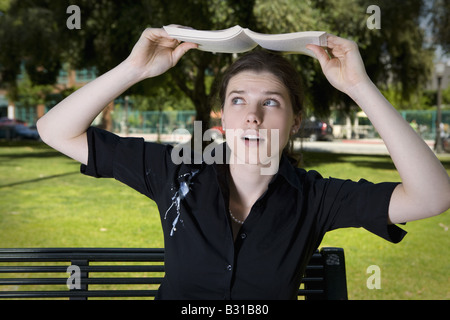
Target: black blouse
(284, 228)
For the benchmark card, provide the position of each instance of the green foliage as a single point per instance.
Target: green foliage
(4, 5)
(440, 20)
(395, 56)
(421, 100)
(35, 31)
(31, 94)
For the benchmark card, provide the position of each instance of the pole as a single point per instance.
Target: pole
(438, 145)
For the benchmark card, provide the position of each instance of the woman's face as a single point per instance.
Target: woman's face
(258, 117)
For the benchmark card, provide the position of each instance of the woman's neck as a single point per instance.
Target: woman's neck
(247, 185)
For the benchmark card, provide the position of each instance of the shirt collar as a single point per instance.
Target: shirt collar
(286, 170)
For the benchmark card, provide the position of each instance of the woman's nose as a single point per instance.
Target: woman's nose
(254, 116)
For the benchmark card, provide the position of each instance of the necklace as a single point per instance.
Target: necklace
(234, 218)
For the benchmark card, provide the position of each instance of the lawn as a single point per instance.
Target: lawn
(416, 268)
(46, 202)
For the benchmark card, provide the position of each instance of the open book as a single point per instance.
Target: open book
(238, 39)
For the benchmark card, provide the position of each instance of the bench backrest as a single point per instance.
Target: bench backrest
(79, 273)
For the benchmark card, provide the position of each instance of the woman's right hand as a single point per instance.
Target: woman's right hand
(155, 53)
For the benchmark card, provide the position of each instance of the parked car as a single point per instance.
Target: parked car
(315, 130)
(7, 121)
(18, 132)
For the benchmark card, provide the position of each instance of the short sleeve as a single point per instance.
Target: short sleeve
(141, 165)
(346, 203)
(102, 145)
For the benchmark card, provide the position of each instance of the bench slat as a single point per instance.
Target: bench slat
(63, 269)
(78, 294)
(324, 277)
(55, 281)
(60, 257)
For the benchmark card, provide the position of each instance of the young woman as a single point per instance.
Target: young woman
(231, 232)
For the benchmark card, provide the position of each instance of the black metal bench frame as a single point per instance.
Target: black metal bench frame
(325, 277)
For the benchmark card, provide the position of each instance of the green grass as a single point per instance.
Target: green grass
(416, 268)
(46, 202)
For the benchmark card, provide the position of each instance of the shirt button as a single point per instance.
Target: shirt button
(229, 267)
(243, 236)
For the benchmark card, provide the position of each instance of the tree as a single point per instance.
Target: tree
(440, 13)
(394, 54)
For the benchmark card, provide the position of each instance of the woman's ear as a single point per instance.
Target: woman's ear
(296, 125)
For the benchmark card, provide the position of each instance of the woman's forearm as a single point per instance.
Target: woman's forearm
(64, 126)
(72, 116)
(425, 189)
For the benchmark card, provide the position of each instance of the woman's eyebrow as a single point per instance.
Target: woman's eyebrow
(269, 93)
(273, 93)
(236, 92)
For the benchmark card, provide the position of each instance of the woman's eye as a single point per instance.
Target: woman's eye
(237, 101)
(271, 103)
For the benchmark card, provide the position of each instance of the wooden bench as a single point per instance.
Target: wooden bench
(46, 274)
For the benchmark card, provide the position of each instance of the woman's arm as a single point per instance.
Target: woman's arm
(64, 127)
(425, 188)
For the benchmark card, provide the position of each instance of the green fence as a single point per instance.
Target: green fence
(424, 122)
(151, 122)
(26, 114)
(165, 122)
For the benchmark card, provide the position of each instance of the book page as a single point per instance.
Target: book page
(188, 32)
(238, 40)
(289, 42)
(232, 40)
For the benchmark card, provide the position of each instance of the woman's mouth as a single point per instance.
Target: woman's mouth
(252, 139)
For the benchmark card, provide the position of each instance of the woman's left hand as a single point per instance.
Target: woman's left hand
(345, 68)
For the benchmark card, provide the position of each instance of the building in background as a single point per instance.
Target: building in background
(67, 79)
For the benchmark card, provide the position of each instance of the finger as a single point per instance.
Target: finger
(182, 49)
(344, 45)
(320, 53)
(156, 34)
(332, 39)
